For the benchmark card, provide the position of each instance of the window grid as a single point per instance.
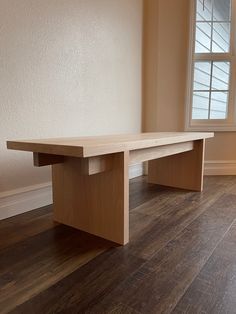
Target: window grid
(209, 57)
(210, 90)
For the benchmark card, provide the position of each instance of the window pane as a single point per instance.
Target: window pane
(202, 75)
(203, 37)
(204, 10)
(222, 10)
(211, 80)
(220, 76)
(221, 37)
(213, 27)
(200, 105)
(219, 106)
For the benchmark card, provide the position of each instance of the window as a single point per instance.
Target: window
(211, 99)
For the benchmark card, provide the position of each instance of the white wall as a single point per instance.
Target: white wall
(67, 68)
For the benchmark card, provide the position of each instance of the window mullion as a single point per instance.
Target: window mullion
(210, 92)
(213, 56)
(212, 18)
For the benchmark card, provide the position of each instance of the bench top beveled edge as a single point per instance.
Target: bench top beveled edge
(101, 145)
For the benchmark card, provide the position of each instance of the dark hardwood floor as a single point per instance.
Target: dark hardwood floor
(181, 257)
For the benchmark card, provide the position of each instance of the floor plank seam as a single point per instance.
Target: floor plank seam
(175, 237)
(184, 227)
(154, 230)
(194, 277)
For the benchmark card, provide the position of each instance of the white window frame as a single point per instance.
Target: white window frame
(228, 124)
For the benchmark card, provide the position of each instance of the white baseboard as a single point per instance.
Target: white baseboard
(220, 167)
(25, 199)
(136, 171)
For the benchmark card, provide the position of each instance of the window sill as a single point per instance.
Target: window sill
(216, 128)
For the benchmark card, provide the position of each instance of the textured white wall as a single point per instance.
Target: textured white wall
(67, 68)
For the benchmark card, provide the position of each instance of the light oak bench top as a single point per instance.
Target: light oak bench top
(101, 145)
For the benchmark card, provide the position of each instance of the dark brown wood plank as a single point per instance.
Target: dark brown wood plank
(120, 309)
(38, 262)
(169, 201)
(86, 286)
(140, 191)
(46, 268)
(119, 277)
(20, 227)
(159, 284)
(214, 289)
(172, 216)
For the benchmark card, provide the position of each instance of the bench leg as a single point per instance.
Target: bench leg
(98, 203)
(183, 170)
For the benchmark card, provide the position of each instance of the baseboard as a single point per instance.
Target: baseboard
(220, 167)
(25, 199)
(136, 171)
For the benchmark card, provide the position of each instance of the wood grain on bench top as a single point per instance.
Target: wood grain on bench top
(99, 145)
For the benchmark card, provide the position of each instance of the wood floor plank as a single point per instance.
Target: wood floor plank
(170, 218)
(232, 189)
(25, 225)
(213, 188)
(27, 216)
(86, 286)
(159, 284)
(48, 268)
(37, 263)
(141, 191)
(214, 289)
(120, 309)
(170, 201)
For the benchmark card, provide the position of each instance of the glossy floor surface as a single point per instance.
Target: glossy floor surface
(181, 257)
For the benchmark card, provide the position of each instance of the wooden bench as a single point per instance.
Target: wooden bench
(90, 174)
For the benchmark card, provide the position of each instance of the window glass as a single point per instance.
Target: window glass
(213, 26)
(210, 90)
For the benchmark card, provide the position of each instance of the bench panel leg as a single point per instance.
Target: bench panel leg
(97, 204)
(183, 170)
